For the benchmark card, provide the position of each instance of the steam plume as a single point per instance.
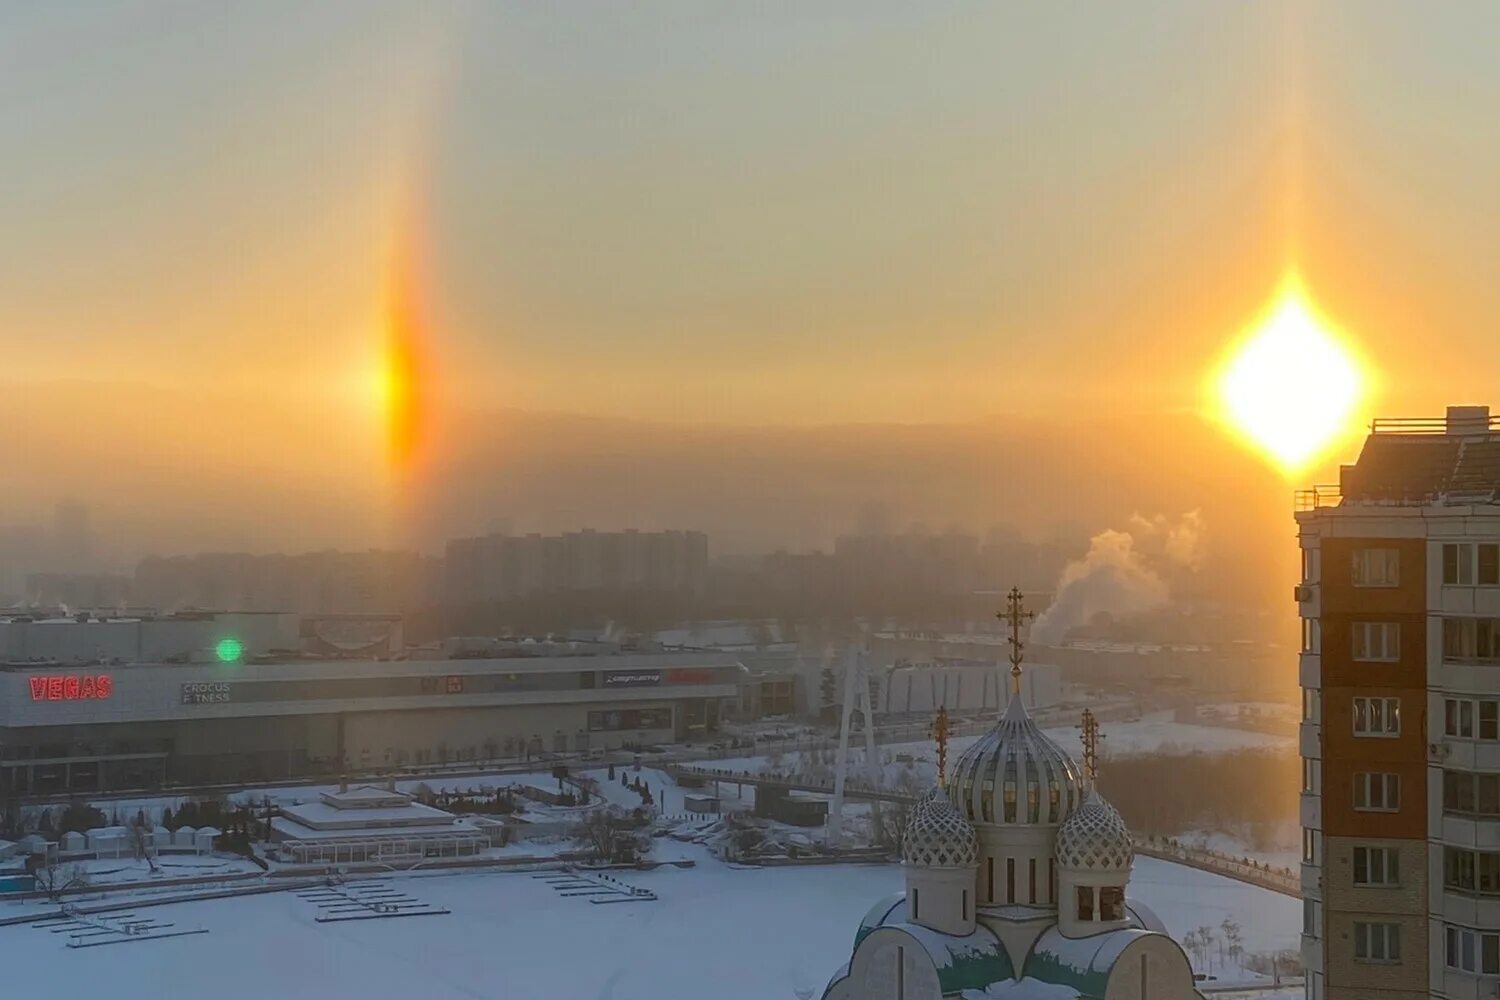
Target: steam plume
(1122, 573)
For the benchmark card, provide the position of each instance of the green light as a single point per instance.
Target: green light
(229, 650)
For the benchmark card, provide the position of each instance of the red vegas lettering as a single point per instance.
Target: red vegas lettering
(71, 687)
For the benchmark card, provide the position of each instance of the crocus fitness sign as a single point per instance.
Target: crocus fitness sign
(72, 687)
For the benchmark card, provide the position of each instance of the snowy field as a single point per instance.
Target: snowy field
(734, 934)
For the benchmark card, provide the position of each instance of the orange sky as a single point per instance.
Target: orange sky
(874, 213)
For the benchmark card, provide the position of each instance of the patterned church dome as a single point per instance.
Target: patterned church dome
(1095, 838)
(1014, 774)
(938, 836)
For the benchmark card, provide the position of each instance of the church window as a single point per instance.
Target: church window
(1112, 903)
(915, 912)
(1031, 877)
(1086, 903)
(1010, 880)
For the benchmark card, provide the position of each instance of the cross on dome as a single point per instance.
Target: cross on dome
(1015, 614)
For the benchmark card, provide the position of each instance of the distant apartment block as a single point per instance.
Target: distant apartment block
(308, 583)
(1400, 674)
(500, 566)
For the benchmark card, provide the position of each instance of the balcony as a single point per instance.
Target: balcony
(1480, 833)
(1312, 881)
(1310, 810)
(1308, 598)
(1471, 909)
(1310, 670)
(1310, 740)
(1312, 953)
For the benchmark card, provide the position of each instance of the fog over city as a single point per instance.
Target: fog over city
(845, 501)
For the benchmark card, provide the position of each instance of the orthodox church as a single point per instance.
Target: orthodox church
(1017, 873)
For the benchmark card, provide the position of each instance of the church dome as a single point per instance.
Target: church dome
(1015, 775)
(1095, 838)
(938, 836)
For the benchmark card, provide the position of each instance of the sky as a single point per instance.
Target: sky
(679, 219)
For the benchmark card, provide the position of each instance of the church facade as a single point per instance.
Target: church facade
(1017, 886)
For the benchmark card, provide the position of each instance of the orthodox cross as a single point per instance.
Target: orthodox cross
(1091, 737)
(940, 733)
(1015, 615)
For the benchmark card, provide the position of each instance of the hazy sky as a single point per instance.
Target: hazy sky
(755, 213)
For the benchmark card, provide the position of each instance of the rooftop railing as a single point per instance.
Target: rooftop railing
(1317, 497)
(1430, 425)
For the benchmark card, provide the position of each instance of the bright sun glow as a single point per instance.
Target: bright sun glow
(1290, 387)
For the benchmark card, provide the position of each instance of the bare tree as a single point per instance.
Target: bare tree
(596, 834)
(55, 879)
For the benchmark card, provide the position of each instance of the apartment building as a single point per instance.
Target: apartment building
(1400, 740)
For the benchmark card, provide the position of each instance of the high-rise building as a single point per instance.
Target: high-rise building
(1400, 740)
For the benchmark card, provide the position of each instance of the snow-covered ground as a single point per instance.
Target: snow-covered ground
(716, 930)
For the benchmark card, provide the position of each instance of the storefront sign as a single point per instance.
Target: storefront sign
(72, 687)
(631, 678)
(205, 693)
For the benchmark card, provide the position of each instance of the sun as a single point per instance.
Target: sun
(1291, 385)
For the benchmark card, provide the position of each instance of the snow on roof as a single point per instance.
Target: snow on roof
(287, 829)
(1022, 989)
(1081, 963)
(975, 959)
(365, 793)
(322, 816)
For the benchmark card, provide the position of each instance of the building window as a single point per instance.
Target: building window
(1459, 715)
(1311, 917)
(1086, 903)
(1458, 718)
(1377, 866)
(1312, 705)
(1312, 635)
(1377, 716)
(1031, 877)
(1473, 640)
(915, 912)
(1377, 942)
(1377, 792)
(1377, 567)
(1112, 903)
(1376, 641)
(1470, 794)
(1471, 871)
(1010, 880)
(1466, 564)
(1468, 950)
(1310, 854)
(1312, 774)
(989, 880)
(1310, 565)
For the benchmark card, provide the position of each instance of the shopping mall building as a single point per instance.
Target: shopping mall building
(86, 722)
